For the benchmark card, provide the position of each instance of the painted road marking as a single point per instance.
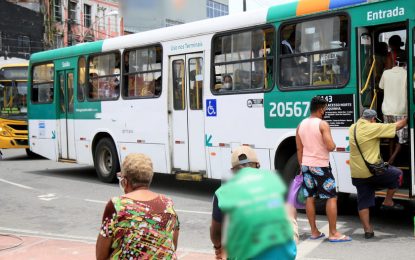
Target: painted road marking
(96, 201)
(177, 210)
(49, 235)
(48, 197)
(17, 184)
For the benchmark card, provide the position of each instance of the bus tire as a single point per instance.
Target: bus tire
(106, 160)
(290, 169)
(32, 155)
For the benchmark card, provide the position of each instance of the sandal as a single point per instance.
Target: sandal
(395, 206)
(317, 237)
(342, 238)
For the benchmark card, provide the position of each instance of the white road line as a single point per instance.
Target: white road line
(48, 235)
(177, 210)
(307, 246)
(96, 201)
(17, 184)
(191, 211)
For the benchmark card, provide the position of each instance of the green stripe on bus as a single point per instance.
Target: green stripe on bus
(80, 49)
(279, 12)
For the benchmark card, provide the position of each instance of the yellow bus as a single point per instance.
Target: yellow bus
(13, 106)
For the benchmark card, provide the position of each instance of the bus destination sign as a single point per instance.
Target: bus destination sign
(340, 110)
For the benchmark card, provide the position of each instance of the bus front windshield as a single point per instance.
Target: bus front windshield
(13, 104)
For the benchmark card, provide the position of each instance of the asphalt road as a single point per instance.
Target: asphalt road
(44, 198)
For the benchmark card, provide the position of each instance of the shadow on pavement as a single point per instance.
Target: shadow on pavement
(86, 173)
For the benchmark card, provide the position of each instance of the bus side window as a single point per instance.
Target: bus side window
(42, 83)
(245, 56)
(142, 72)
(81, 79)
(104, 76)
(314, 53)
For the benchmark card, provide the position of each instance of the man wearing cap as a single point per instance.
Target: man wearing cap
(253, 201)
(368, 135)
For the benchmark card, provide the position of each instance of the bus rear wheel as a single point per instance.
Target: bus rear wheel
(106, 160)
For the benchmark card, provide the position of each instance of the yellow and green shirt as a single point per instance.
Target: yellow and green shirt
(368, 135)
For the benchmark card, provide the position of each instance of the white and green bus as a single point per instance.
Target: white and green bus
(164, 93)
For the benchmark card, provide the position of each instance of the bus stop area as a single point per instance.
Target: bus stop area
(45, 248)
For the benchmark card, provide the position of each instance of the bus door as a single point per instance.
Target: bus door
(186, 77)
(66, 136)
(365, 63)
(411, 99)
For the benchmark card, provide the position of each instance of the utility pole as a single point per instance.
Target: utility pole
(244, 5)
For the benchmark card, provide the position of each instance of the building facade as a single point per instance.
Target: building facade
(144, 15)
(21, 31)
(68, 22)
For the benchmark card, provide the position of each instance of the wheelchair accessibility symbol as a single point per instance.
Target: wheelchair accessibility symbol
(211, 107)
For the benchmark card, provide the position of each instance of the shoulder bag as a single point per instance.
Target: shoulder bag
(374, 168)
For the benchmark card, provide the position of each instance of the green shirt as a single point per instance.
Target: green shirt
(254, 202)
(368, 135)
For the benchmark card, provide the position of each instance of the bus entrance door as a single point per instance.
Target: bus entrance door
(186, 112)
(66, 136)
(411, 90)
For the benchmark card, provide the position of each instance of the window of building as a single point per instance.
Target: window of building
(315, 53)
(244, 61)
(170, 22)
(81, 78)
(142, 72)
(87, 15)
(57, 6)
(72, 11)
(104, 76)
(58, 41)
(23, 44)
(215, 9)
(42, 83)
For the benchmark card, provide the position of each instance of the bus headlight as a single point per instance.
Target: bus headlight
(4, 132)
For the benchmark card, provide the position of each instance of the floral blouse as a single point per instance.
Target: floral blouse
(140, 229)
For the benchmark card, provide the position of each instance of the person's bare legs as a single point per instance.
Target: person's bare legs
(365, 220)
(331, 212)
(396, 151)
(311, 215)
(388, 199)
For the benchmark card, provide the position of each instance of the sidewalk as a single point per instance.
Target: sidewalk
(35, 248)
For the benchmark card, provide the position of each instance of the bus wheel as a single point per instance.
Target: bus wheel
(290, 169)
(106, 160)
(31, 154)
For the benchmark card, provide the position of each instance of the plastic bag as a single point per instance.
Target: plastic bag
(296, 194)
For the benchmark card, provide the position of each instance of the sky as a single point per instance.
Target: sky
(236, 6)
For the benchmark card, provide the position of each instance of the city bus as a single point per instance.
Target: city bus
(187, 95)
(13, 106)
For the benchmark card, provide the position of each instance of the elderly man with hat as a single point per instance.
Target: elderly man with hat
(258, 226)
(367, 132)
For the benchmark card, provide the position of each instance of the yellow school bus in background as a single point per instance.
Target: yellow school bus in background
(13, 106)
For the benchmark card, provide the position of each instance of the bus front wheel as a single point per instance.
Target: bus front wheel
(106, 160)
